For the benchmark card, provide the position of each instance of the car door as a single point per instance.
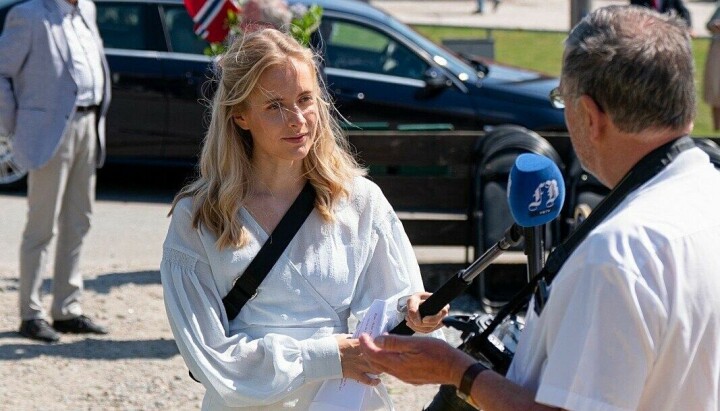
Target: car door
(187, 72)
(133, 38)
(379, 79)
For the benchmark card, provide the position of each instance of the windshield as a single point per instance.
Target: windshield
(441, 56)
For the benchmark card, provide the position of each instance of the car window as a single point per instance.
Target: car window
(180, 30)
(5, 6)
(133, 26)
(352, 46)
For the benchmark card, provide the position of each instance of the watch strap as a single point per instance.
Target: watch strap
(469, 377)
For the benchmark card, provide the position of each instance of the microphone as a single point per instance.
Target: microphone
(537, 200)
(536, 192)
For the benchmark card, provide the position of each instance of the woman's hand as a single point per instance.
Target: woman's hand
(426, 324)
(354, 365)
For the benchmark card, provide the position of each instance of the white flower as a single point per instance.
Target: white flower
(274, 13)
(298, 10)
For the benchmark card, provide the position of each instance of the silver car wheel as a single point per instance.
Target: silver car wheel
(10, 171)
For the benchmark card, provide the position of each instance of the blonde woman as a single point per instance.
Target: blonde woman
(272, 131)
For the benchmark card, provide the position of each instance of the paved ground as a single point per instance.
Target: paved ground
(514, 14)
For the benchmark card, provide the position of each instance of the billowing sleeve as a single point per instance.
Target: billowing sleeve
(392, 271)
(15, 43)
(240, 370)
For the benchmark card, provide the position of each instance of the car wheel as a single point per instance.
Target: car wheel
(11, 174)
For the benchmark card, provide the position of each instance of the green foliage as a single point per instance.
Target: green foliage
(542, 51)
(214, 49)
(302, 27)
(232, 21)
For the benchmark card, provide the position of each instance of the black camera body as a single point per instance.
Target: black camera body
(494, 348)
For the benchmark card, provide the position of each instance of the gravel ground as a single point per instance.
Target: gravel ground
(135, 367)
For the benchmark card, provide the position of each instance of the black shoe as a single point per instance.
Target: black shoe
(79, 325)
(38, 329)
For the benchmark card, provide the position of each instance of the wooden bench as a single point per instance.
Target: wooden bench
(427, 177)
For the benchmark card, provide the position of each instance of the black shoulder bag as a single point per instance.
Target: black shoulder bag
(243, 291)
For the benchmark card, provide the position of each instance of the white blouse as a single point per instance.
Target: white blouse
(281, 347)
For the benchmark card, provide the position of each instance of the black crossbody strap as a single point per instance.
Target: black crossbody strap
(247, 284)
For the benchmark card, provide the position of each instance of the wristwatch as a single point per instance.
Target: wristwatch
(467, 382)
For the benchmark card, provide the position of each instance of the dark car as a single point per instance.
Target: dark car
(381, 73)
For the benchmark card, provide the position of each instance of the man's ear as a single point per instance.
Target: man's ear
(241, 121)
(595, 118)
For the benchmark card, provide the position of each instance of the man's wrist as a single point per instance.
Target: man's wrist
(468, 378)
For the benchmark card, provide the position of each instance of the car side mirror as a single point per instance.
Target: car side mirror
(435, 82)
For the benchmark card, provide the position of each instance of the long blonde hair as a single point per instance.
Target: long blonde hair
(222, 186)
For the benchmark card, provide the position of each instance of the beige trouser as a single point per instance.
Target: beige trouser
(60, 199)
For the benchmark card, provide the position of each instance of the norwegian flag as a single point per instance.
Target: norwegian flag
(209, 17)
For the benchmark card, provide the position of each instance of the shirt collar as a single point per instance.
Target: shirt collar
(65, 7)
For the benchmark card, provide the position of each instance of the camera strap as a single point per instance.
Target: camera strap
(645, 169)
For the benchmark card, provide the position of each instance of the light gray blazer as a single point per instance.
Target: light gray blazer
(37, 91)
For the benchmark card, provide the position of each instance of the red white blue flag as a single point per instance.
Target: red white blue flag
(210, 17)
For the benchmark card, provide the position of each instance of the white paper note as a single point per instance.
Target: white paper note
(346, 394)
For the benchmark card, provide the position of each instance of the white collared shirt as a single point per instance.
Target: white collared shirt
(633, 318)
(87, 69)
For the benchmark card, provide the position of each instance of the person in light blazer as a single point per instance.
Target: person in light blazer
(667, 6)
(54, 95)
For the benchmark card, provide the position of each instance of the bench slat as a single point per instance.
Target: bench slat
(425, 193)
(441, 148)
(437, 232)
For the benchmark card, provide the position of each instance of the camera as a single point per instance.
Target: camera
(492, 345)
(492, 342)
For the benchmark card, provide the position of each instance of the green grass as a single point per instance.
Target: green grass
(351, 35)
(542, 51)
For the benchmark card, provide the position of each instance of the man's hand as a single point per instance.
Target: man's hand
(415, 360)
(353, 362)
(422, 360)
(426, 324)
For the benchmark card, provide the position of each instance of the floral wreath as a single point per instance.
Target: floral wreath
(216, 21)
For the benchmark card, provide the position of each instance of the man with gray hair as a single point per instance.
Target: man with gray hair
(633, 316)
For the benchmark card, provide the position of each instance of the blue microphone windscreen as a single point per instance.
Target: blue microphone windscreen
(536, 190)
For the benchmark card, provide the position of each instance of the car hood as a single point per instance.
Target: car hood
(517, 83)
